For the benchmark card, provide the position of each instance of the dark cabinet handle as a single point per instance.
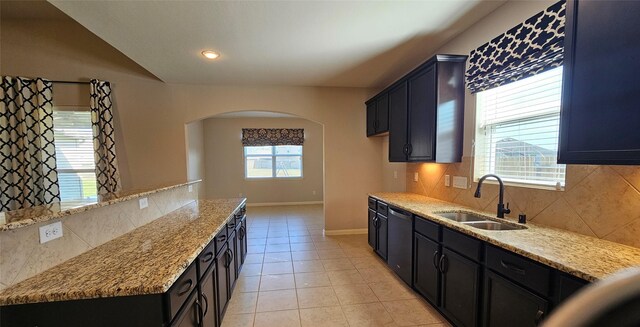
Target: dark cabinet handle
(409, 149)
(185, 287)
(539, 317)
(442, 264)
(231, 255)
(207, 257)
(206, 304)
(435, 259)
(222, 238)
(241, 232)
(199, 314)
(405, 149)
(231, 225)
(512, 267)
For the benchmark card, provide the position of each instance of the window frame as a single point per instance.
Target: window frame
(274, 168)
(480, 128)
(79, 108)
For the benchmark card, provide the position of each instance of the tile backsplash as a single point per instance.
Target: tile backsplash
(599, 201)
(22, 255)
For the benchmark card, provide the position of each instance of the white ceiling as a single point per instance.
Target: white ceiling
(311, 43)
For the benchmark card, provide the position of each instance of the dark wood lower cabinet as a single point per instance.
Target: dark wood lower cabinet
(190, 314)
(507, 304)
(460, 288)
(208, 298)
(372, 228)
(381, 235)
(426, 276)
(222, 281)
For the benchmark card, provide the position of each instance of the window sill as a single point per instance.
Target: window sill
(522, 185)
(271, 179)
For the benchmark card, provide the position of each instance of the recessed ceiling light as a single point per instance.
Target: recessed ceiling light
(210, 54)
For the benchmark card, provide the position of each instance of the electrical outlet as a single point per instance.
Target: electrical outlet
(395, 174)
(190, 188)
(50, 232)
(460, 182)
(447, 180)
(144, 202)
(415, 177)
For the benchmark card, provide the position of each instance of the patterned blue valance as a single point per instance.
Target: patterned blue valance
(272, 136)
(525, 50)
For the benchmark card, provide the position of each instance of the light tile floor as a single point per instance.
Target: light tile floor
(295, 276)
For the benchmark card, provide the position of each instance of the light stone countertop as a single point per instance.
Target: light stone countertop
(29, 216)
(147, 260)
(582, 256)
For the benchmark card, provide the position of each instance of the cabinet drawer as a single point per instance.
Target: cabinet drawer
(205, 259)
(521, 270)
(382, 209)
(231, 226)
(179, 292)
(463, 244)
(372, 203)
(220, 240)
(427, 228)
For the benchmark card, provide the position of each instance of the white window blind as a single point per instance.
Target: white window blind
(279, 161)
(74, 154)
(517, 131)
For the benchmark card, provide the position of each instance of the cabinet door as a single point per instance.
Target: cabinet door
(371, 118)
(208, 298)
(600, 117)
(372, 229)
(190, 314)
(506, 304)
(398, 123)
(382, 237)
(422, 115)
(233, 266)
(460, 288)
(382, 113)
(243, 240)
(426, 277)
(222, 284)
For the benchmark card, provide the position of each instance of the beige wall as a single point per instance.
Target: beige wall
(151, 115)
(600, 201)
(225, 162)
(194, 138)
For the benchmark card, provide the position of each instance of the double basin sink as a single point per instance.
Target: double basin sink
(478, 221)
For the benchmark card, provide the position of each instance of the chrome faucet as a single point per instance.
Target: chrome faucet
(501, 209)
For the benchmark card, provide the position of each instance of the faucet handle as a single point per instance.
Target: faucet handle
(507, 210)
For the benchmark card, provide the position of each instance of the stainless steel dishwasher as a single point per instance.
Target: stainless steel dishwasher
(399, 256)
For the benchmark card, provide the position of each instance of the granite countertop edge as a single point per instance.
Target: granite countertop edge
(589, 270)
(38, 218)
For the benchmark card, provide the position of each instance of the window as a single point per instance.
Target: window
(517, 131)
(280, 161)
(74, 154)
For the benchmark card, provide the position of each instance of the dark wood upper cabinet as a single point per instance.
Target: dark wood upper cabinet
(422, 115)
(398, 122)
(378, 115)
(426, 112)
(600, 119)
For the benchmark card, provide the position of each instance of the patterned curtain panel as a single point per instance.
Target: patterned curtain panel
(107, 176)
(525, 50)
(28, 175)
(272, 136)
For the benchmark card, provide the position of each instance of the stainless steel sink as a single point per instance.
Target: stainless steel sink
(478, 221)
(462, 216)
(492, 225)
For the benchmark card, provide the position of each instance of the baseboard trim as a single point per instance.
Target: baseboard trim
(269, 204)
(346, 231)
